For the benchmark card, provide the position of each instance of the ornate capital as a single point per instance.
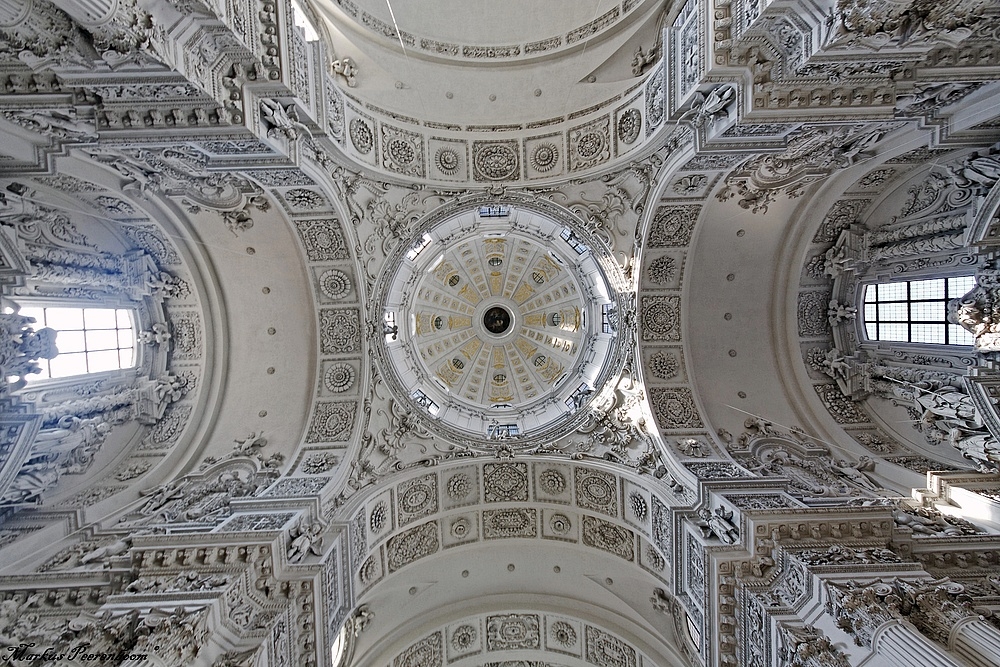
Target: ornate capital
(805, 646)
(933, 607)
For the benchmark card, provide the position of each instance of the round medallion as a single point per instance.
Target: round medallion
(591, 145)
(597, 491)
(334, 284)
(564, 633)
(544, 157)
(499, 323)
(447, 161)
(459, 486)
(496, 162)
(401, 152)
(629, 125)
(560, 524)
(416, 498)
(552, 482)
(361, 136)
(339, 377)
(463, 638)
(378, 517)
(368, 571)
(496, 320)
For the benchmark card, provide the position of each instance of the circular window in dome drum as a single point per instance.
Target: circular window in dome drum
(515, 349)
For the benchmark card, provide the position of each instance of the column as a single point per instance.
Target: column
(977, 642)
(901, 644)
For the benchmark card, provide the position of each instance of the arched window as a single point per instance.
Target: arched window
(915, 311)
(89, 340)
(301, 20)
(339, 648)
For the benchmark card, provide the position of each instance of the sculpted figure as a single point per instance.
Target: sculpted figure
(836, 261)
(346, 68)
(706, 108)
(158, 334)
(981, 448)
(305, 540)
(170, 388)
(363, 617)
(284, 121)
(72, 444)
(838, 312)
(975, 313)
(925, 524)
(31, 482)
(641, 59)
(980, 171)
(835, 364)
(718, 99)
(859, 473)
(100, 554)
(719, 523)
(11, 612)
(161, 497)
(947, 409)
(21, 347)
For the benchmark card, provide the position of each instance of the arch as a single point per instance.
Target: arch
(562, 632)
(470, 523)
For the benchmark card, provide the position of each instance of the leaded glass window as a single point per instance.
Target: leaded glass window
(915, 311)
(89, 340)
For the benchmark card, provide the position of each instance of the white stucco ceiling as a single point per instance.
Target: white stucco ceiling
(483, 64)
(488, 21)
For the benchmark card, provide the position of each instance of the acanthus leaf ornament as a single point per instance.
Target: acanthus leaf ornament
(810, 155)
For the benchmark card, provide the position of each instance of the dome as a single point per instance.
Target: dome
(500, 321)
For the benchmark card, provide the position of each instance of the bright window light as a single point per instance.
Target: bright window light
(302, 21)
(916, 311)
(339, 647)
(89, 340)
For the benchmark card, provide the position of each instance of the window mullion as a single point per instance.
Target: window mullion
(909, 313)
(904, 311)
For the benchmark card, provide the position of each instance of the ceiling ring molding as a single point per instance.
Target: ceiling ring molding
(559, 291)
